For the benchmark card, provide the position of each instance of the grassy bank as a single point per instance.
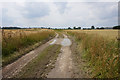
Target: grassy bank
(100, 52)
(42, 64)
(15, 46)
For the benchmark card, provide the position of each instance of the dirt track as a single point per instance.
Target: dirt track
(66, 65)
(13, 68)
(63, 65)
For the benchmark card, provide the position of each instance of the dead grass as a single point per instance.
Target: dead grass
(101, 53)
(16, 40)
(108, 34)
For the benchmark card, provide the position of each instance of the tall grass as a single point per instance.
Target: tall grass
(101, 53)
(12, 44)
(15, 46)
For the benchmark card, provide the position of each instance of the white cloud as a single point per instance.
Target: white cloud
(60, 14)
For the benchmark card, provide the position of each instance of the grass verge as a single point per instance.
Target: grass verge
(81, 68)
(42, 64)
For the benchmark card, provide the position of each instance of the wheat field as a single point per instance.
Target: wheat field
(100, 49)
(22, 40)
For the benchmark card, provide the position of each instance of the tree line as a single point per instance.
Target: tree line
(92, 27)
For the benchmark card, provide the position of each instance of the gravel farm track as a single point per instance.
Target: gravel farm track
(63, 66)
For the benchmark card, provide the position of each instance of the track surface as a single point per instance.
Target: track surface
(63, 65)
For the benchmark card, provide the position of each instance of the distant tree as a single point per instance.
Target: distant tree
(116, 27)
(49, 28)
(102, 28)
(74, 27)
(42, 27)
(11, 28)
(84, 28)
(92, 27)
(79, 27)
(97, 28)
(69, 28)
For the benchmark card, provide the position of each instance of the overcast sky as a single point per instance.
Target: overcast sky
(60, 14)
